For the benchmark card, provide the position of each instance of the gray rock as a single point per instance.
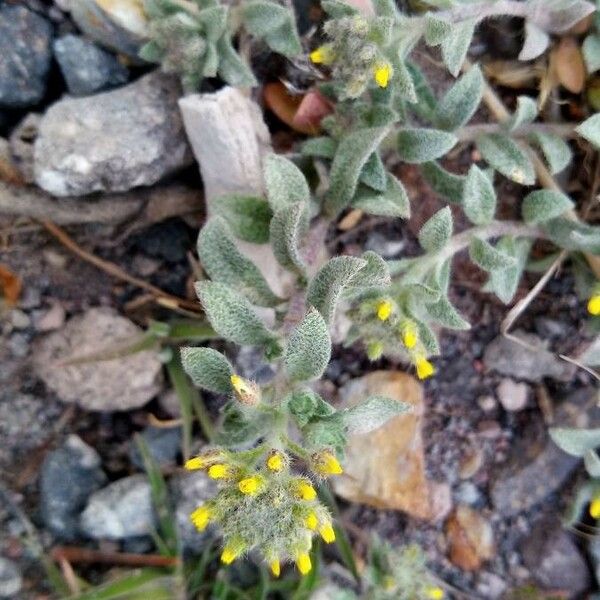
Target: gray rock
(189, 490)
(164, 444)
(123, 383)
(120, 25)
(515, 360)
(512, 395)
(114, 141)
(11, 581)
(377, 242)
(554, 559)
(68, 476)
(24, 56)
(86, 68)
(121, 510)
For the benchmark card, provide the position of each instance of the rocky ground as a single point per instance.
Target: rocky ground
(471, 475)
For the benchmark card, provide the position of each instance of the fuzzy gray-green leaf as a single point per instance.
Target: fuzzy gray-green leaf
(231, 315)
(419, 145)
(436, 232)
(374, 173)
(456, 45)
(320, 147)
(575, 441)
(394, 202)
(436, 30)
(286, 227)
(556, 151)
(248, 216)
(325, 288)
(479, 197)
(590, 130)
(444, 313)
(525, 113)
(506, 156)
(484, 255)
(543, 205)
(446, 184)
(208, 369)
(225, 263)
(232, 68)
(309, 348)
(459, 104)
(284, 182)
(373, 413)
(504, 282)
(351, 155)
(591, 52)
(375, 273)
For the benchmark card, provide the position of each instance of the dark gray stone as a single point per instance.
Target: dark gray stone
(24, 56)
(69, 475)
(554, 559)
(113, 141)
(86, 68)
(163, 445)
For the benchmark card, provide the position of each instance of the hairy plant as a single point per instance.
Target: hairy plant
(194, 38)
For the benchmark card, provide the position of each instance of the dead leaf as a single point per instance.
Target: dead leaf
(313, 107)
(567, 61)
(514, 74)
(385, 468)
(470, 538)
(351, 220)
(10, 285)
(8, 170)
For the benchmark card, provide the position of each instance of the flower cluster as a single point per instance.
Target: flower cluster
(354, 54)
(263, 505)
(389, 325)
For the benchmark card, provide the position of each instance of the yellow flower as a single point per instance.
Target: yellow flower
(247, 392)
(410, 337)
(327, 533)
(231, 551)
(250, 485)
(595, 508)
(303, 563)
(323, 55)
(311, 521)
(327, 464)
(219, 471)
(434, 593)
(384, 310)
(305, 490)
(424, 368)
(275, 567)
(198, 462)
(593, 305)
(275, 462)
(201, 517)
(382, 74)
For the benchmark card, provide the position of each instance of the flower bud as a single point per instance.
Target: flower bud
(325, 463)
(593, 305)
(247, 392)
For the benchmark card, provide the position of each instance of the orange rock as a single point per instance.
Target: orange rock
(470, 538)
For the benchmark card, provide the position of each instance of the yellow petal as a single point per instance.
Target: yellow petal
(410, 336)
(311, 521)
(424, 368)
(595, 508)
(327, 533)
(593, 305)
(249, 485)
(382, 74)
(198, 462)
(434, 593)
(201, 517)
(306, 491)
(327, 464)
(229, 554)
(303, 563)
(322, 56)
(275, 568)
(275, 462)
(384, 310)
(218, 471)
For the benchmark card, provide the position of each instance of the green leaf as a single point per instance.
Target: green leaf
(375, 273)
(525, 113)
(536, 42)
(231, 315)
(320, 147)
(420, 145)
(225, 263)
(373, 413)
(286, 228)
(484, 255)
(307, 405)
(214, 20)
(385, 8)
(325, 288)
(351, 155)
(575, 441)
(284, 39)
(459, 104)
(232, 69)
(573, 235)
(248, 216)
(504, 155)
(436, 30)
(404, 82)
(394, 202)
(456, 45)
(436, 232)
(284, 182)
(374, 173)
(444, 313)
(479, 197)
(590, 130)
(543, 205)
(591, 52)
(337, 9)
(504, 282)
(592, 463)
(208, 369)
(446, 184)
(262, 16)
(309, 348)
(424, 106)
(556, 151)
